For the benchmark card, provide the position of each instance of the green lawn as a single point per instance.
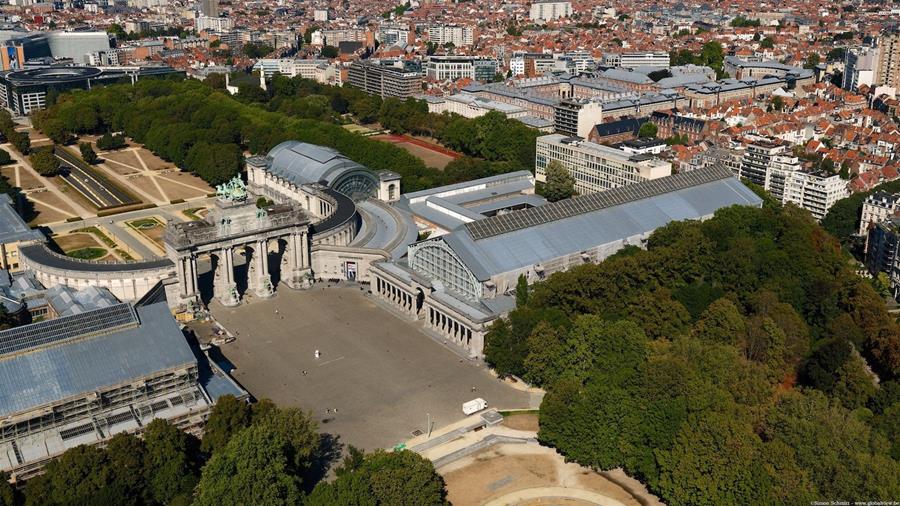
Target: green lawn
(144, 223)
(87, 253)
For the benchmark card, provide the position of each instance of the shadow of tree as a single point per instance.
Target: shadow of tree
(329, 452)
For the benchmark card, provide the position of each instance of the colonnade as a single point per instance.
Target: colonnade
(295, 268)
(403, 300)
(449, 327)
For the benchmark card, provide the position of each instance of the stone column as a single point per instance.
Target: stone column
(223, 285)
(187, 278)
(294, 269)
(263, 280)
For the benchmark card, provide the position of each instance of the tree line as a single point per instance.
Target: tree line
(738, 360)
(493, 144)
(207, 132)
(259, 454)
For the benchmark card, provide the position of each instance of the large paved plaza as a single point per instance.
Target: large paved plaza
(382, 375)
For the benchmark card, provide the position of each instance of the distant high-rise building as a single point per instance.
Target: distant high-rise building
(889, 60)
(458, 35)
(209, 8)
(860, 67)
(548, 10)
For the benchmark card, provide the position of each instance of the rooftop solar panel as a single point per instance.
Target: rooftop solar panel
(509, 222)
(95, 322)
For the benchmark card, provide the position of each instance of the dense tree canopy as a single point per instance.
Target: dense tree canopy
(207, 132)
(173, 117)
(258, 454)
(732, 362)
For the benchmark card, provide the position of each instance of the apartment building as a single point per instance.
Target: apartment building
(771, 165)
(577, 117)
(889, 60)
(878, 207)
(376, 78)
(548, 10)
(458, 35)
(213, 24)
(596, 167)
(860, 67)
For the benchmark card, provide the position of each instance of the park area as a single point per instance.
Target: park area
(432, 155)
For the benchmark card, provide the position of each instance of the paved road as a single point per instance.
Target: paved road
(171, 212)
(381, 373)
(88, 184)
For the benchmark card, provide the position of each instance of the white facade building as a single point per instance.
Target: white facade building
(472, 106)
(596, 167)
(771, 165)
(213, 24)
(877, 208)
(458, 35)
(548, 10)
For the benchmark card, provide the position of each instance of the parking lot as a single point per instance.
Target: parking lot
(383, 376)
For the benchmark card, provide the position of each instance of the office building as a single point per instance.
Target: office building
(451, 68)
(653, 59)
(472, 106)
(394, 34)
(458, 35)
(376, 78)
(76, 46)
(549, 10)
(596, 167)
(24, 91)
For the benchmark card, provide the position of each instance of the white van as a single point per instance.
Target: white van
(474, 406)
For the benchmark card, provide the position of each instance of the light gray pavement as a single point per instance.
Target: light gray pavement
(384, 377)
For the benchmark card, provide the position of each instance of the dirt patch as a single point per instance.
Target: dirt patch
(493, 474)
(76, 241)
(146, 186)
(433, 156)
(27, 180)
(153, 162)
(502, 469)
(524, 421)
(174, 183)
(123, 162)
(43, 213)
